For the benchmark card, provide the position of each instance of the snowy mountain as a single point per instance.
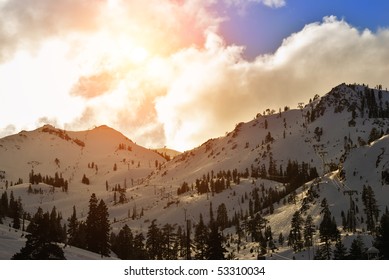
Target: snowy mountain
(283, 161)
(325, 129)
(342, 136)
(102, 154)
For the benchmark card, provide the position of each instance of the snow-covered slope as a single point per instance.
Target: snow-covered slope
(341, 122)
(102, 154)
(11, 241)
(343, 136)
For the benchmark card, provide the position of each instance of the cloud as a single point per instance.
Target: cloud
(7, 130)
(45, 120)
(194, 94)
(28, 23)
(272, 3)
(269, 3)
(217, 88)
(164, 26)
(94, 85)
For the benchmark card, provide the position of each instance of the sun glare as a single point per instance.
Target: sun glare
(138, 55)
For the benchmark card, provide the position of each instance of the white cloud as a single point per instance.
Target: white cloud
(28, 23)
(7, 130)
(217, 88)
(269, 3)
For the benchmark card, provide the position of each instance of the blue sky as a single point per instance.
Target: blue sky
(261, 29)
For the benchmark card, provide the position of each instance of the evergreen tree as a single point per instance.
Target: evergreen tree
(340, 250)
(222, 216)
(73, 229)
(4, 204)
(357, 250)
(309, 230)
(269, 238)
(181, 240)
(328, 228)
(254, 226)
(153, 242)
(371, 209)
(324, 252)
(123, 244)
(85, 180)
(211, 218)
(11, 205)
(39, 246)
(97, 227)
(103, 229)
(92, 225)
(328, 232)
(214, 248)
(55, 228)
(122, 195)
(374, 135)
(169, 242)
(295, 235)
(16, 214)
(281, 239)
(382, 238)
(201, 240)
(262, 243)
(139, 248)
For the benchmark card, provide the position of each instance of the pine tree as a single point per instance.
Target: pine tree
(340, 250)
(123, 244)
(328, 228)
(211, 218)
(371, 209)
(214, 248)
(295, 235)
(92, 225)
(382, 238)
(181, 240)
(328, 231)
(254, 226)
(122, 195)
(281, 239)
(153, 242)
(169, 242)
(139, 249)
(357, 250)
(324, 252)
(4, 204)
(97, 227)
(55, 227)
(16, 214)
(200, 240)
(222, 216)
(103, 229)
(39, 246)
(73, 229)
(85, 180)
(309, 230)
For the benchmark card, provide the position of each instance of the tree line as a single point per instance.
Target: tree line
(57, 181)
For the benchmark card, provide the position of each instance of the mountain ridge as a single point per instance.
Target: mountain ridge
(292, 159)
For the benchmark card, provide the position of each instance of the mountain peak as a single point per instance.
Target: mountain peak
(47, 127)
(101, 127)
